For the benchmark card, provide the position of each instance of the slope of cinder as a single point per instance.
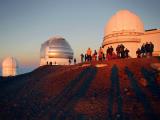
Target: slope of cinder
(28, 92)
(83, 91)
(99, 96)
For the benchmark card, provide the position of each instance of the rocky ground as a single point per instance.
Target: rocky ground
(124, 89)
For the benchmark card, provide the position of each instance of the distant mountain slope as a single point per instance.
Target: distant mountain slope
(118, 89)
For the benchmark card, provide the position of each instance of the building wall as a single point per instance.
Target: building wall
(42, 61)
(134, 42)
(130, 41)
(8, 71)
(132, 47)
(54, 61)
(154, 37)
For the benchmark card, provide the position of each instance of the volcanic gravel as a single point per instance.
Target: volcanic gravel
(122, 89)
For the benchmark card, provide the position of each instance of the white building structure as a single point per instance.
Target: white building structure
(127, 28)
(55, 51)
(9, 67)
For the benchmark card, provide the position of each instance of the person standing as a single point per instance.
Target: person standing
(89, 54)
(100, 54)
(108, 56)
(147, 48)
(111, 50)
(138, 52)
(151, 47)
(126, 53)
(75, 60)
(118, 51)
(82, 57)
(143, 50)
(122, 50)
(69, 61)
(85, 57)
(95, 55)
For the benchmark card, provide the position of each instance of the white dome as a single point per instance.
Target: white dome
(124, 20)
(9, 66)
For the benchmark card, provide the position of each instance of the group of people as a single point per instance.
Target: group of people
(146, 50)
(121, 51)
(96, 55)
(88, 55)
(70, 61)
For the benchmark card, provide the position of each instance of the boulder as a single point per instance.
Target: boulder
(156, 66)
(86, 65)
(101, 65)
(143, 82)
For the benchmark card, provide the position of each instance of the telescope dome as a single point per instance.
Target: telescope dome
(9, 66)
(124, 20)
(56, 49)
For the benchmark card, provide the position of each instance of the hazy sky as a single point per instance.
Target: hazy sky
(25, 24)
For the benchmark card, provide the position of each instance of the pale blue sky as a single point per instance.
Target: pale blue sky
(25, 24)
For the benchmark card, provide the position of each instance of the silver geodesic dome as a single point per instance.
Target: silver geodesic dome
(56, 47)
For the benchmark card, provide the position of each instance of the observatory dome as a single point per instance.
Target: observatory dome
(9, 67)
(125, 28)
(124, 20)
(55, 49)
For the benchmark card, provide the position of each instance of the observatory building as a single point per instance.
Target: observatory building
(9, 67)
(127, 28)
(55, 51)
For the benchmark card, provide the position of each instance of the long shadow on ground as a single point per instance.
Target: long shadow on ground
(69, 95)
(115, 89)
(150, 76)
(64, 103)
(149, 113)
